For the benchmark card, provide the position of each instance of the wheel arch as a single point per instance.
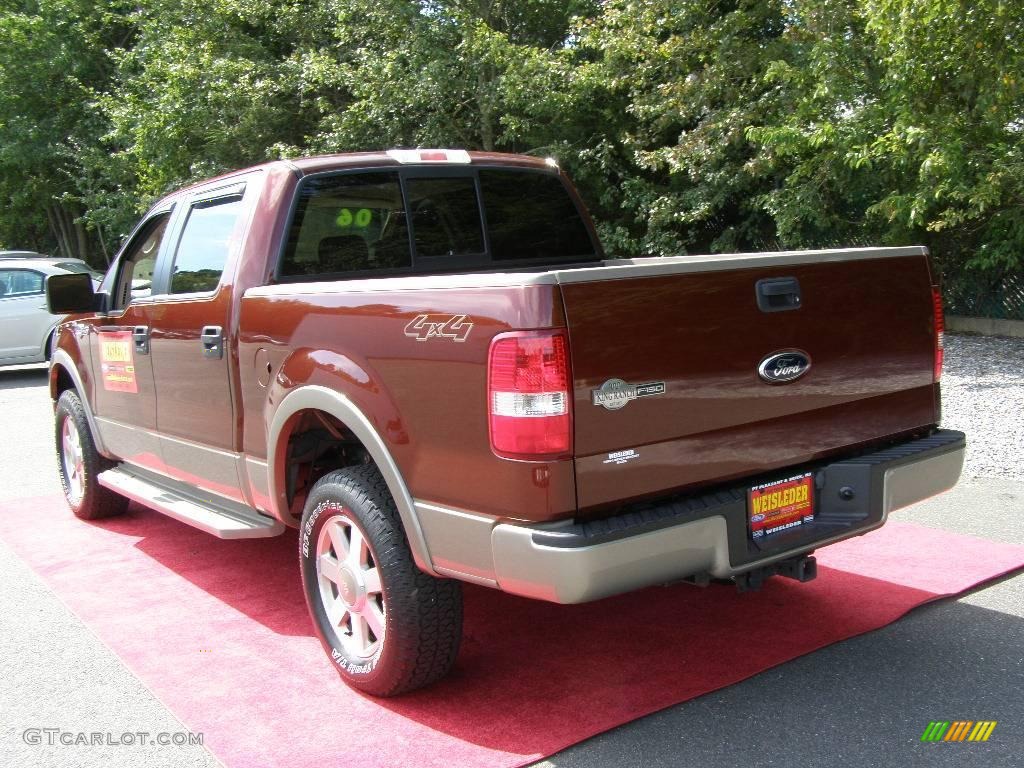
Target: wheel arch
(318, 398)
(50, 341)
(64, 375)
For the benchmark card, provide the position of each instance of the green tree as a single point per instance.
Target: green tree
(54, 54)
(662, 95)
(204, 88)
(434, 73)
(699, 125)
(906, 125)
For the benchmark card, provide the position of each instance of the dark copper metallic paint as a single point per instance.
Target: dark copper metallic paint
(865, 324)
(427, 400)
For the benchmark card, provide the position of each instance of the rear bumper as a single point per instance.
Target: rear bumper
(696, 535)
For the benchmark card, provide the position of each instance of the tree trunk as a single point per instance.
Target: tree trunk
(103, 245)
(62, 232)
(83, 240)
(485, 103)
(51, 219)
(72, 239)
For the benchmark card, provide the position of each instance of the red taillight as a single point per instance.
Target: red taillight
(528, 394)
(940, 328)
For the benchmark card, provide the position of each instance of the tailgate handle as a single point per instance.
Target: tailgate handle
(213, 341)
(777, 294)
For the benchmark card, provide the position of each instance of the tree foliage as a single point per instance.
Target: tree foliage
(699, 125)
(54, 54)
(906, 124)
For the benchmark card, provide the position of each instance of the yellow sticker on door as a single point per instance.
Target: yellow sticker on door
(117, 362)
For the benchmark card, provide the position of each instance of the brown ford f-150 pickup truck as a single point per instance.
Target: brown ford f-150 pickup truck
(422, 360)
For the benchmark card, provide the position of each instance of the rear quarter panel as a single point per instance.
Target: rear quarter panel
(427, 398)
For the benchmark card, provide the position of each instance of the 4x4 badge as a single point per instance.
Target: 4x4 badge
(425, 327)
(615, 393)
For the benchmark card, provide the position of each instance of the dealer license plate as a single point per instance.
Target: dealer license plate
(780, 505)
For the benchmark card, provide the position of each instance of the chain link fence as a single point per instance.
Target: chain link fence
(973, 294)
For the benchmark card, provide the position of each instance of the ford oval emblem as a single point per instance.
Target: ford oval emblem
(781, 367)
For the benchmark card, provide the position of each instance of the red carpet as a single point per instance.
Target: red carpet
(218, 631)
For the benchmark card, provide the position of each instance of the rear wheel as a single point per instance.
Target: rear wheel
(79, 463)
(388, 627)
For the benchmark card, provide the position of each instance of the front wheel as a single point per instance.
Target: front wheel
(79, 463)
(388, 627)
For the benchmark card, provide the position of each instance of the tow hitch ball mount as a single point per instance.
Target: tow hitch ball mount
(803, 568)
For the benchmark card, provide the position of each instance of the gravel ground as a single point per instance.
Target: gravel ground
(983, 395)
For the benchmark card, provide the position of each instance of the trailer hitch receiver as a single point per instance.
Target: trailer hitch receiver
(803, 568)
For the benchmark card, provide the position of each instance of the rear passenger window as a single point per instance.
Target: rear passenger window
(348, 223)
(532, 216)
(211, 230)
(445, 216)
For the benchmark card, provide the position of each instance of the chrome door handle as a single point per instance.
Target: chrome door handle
(212, 338)
(140, 333)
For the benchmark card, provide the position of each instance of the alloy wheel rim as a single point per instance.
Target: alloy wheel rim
(350, 587)
(72, 459)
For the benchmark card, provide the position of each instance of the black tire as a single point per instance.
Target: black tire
(93, 501)
(422, 615)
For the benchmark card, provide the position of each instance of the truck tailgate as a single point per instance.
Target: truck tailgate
(865, 319)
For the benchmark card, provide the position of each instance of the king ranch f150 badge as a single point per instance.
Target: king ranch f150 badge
(616, 393)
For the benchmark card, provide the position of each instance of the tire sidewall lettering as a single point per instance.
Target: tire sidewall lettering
(350, 666)
(309, 531)
(65, 414)
(311, 523)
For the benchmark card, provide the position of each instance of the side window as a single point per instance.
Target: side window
(136, 278)
(209, 235)
(532, 216)
(20, 282)
(348, 223)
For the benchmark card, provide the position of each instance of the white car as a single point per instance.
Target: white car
(26, 326)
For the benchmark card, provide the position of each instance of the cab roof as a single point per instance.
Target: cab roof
(396, 158)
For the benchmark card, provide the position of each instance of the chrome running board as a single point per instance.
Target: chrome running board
(219, 517)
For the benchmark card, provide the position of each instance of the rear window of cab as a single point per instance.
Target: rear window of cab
(432, 220)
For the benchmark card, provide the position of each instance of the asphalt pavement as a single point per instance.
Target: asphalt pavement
(861, 702)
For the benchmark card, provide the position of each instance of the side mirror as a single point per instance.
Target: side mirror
(73, 292)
